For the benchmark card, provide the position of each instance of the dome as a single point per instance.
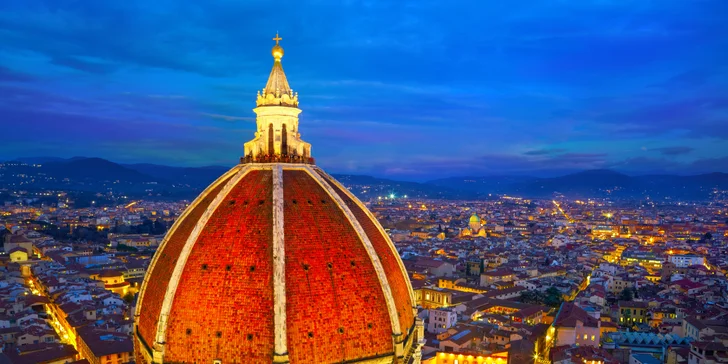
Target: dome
(475, 219)
(276, 262)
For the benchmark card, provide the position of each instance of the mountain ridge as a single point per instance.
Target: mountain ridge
(94, 173)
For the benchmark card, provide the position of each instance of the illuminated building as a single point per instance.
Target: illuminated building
(99, 347)
(113, 281)
(618, 283)
(644, 259)
(668, 269)
(441, 319)
(497, 275)
(603, 230)
(632, 312)
(465, 358)
(475, 227)
(459, 284)
(277, 262)
(514, 311)
(686, 260)
(433, 297)
(574, 326)
(18, 254)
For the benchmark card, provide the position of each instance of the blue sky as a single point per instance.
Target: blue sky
(403, 89)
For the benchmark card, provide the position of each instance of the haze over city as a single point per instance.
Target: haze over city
(409, 90)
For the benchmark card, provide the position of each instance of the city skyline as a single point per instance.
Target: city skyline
(421, 91)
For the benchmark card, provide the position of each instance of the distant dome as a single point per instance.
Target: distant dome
(475, 219)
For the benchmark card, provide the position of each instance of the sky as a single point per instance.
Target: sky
(405, 89)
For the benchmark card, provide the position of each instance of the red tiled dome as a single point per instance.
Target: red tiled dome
(275, 262)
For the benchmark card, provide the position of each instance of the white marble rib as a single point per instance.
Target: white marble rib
(172, 230)
(185, 253)
(379, 227)
(383, 282)
(279, 265)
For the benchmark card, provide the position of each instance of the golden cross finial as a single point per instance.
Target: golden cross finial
(277, 38)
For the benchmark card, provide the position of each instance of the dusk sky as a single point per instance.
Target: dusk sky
(405, 89)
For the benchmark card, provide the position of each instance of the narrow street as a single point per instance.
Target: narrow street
(51, 310)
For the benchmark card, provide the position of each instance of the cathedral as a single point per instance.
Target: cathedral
(277, 262)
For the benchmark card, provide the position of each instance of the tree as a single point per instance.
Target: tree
(553, 297)
(125, 248)
(129, 298)
(3, 232)
(534, 297)
(626, 295)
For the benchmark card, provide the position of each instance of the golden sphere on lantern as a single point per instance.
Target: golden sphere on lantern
(277, 52)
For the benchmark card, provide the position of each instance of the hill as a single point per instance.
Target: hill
(150, 180)
(159, 181)
(93, 169)
(197, 177)
(597, 183)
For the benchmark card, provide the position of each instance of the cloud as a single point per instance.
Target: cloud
(706, 165)
(424, 167)
(673, 151)
(228, 117)
(698, 116)
(9, 75)
(85, 65)
(544, 151)
(385, 86)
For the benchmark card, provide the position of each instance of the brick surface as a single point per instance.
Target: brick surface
(166, 261)
(397, 281)
(223, 307)
(336, 310)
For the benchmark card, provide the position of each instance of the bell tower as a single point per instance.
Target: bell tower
(276, 137)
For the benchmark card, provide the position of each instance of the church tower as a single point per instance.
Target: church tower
(277, 137)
